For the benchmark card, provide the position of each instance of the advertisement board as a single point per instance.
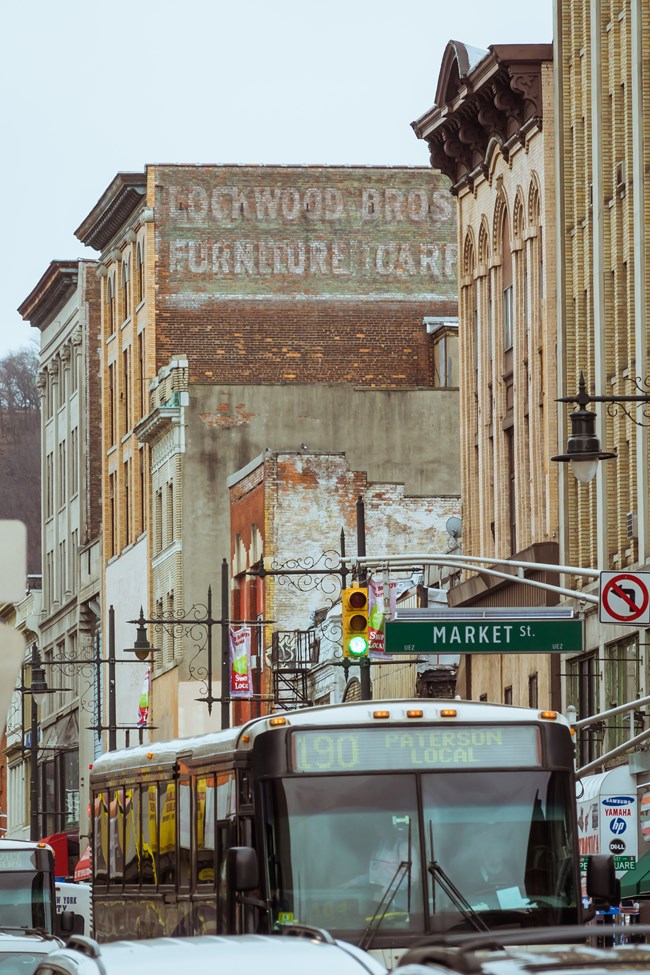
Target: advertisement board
(608, 818)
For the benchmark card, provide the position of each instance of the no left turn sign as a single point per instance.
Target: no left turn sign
(625, 597)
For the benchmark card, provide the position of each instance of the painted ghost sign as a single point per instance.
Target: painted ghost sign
(313, 232)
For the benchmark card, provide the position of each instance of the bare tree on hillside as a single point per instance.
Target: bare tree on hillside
(18, 390)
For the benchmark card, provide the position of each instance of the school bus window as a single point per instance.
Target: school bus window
(132, 838)
(184, 833)
(167, 860)
(100, 839)
(149, 832)
(116, 837)
(205, 830)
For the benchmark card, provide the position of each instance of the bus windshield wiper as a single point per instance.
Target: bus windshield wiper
(447, 885)
(459, 901)
(403, 869)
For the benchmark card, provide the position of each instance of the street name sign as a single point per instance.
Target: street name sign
(467, 635)
(625, 598)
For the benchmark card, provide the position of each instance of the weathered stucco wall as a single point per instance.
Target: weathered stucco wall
(406, 438)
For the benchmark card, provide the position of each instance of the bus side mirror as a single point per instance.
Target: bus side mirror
(602, 885)
(66, 923)
(241, 868)
(241, 874)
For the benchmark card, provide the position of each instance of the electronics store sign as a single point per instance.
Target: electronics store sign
(484, 636)
(308, 231)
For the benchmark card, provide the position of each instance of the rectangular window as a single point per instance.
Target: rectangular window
(508, 324)
(158, 521)
(445, 359)
(111, 403)
(622, 677)
(583, 694)
(141, 373)
(74, 374)
(49, 485)
(127, 502)
(170, 512)
(62, 475)
(112, 517)
(141, 462)
(63, 570)
(74, 460)
(512, 492)
(507, 695)
(532, 691)
(126, 383)
(74, 560)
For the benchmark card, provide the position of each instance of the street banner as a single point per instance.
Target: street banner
(143, 706)
(377, 613)
(241, 677)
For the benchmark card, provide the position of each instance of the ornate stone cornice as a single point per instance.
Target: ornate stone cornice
(485, 102)
(50, 294)
(112, 210)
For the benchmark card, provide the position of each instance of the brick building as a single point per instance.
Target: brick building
(491, 133)
(65, 307)
(603, 241)
(281, 305)
(291, 507)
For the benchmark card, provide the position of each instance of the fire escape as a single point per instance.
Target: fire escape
(293, 654)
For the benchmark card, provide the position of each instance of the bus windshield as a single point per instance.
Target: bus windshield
(25, 901)
(347, 851)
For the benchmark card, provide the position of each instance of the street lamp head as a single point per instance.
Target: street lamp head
(583, 447)
(141, 647)
(38, 686)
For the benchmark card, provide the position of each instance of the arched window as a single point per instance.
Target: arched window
(506, 283)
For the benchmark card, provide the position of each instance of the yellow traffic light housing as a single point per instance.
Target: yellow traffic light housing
(355, 641)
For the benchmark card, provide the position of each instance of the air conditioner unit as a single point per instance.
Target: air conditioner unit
(632, 524)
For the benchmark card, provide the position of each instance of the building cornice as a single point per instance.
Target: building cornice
(159, 421)
(55, 287)
(481, 103)
(112, 210)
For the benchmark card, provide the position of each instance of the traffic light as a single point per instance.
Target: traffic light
(354, 622)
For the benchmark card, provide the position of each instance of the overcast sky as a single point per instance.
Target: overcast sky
(89, 90)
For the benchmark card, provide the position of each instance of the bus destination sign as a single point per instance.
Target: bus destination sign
(385, 749)
(484, 636)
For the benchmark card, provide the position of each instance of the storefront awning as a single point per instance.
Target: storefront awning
(59, 843)
(84, 870)
(636, 882)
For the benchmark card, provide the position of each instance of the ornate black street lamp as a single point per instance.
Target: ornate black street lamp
(583, 447)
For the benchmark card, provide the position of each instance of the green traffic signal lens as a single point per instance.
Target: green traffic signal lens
(358, 646)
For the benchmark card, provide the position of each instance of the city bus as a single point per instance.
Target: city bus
(27, 890)
(369, 819)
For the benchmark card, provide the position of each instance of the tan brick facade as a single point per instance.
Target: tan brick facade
(604, 245)
(501, 166)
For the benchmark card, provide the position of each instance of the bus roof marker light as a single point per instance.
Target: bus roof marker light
(548, 715)
(150, 755)
(449, 713)
(381, 714)
(415, 714)
(277, 722)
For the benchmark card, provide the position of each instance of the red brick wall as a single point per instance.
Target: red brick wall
(303, 274)
(246, 511)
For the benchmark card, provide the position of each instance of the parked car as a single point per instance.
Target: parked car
(576, 950)
(21, 952)
(312, 951)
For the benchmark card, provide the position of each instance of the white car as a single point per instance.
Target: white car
(21, 953)
(314, 952)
